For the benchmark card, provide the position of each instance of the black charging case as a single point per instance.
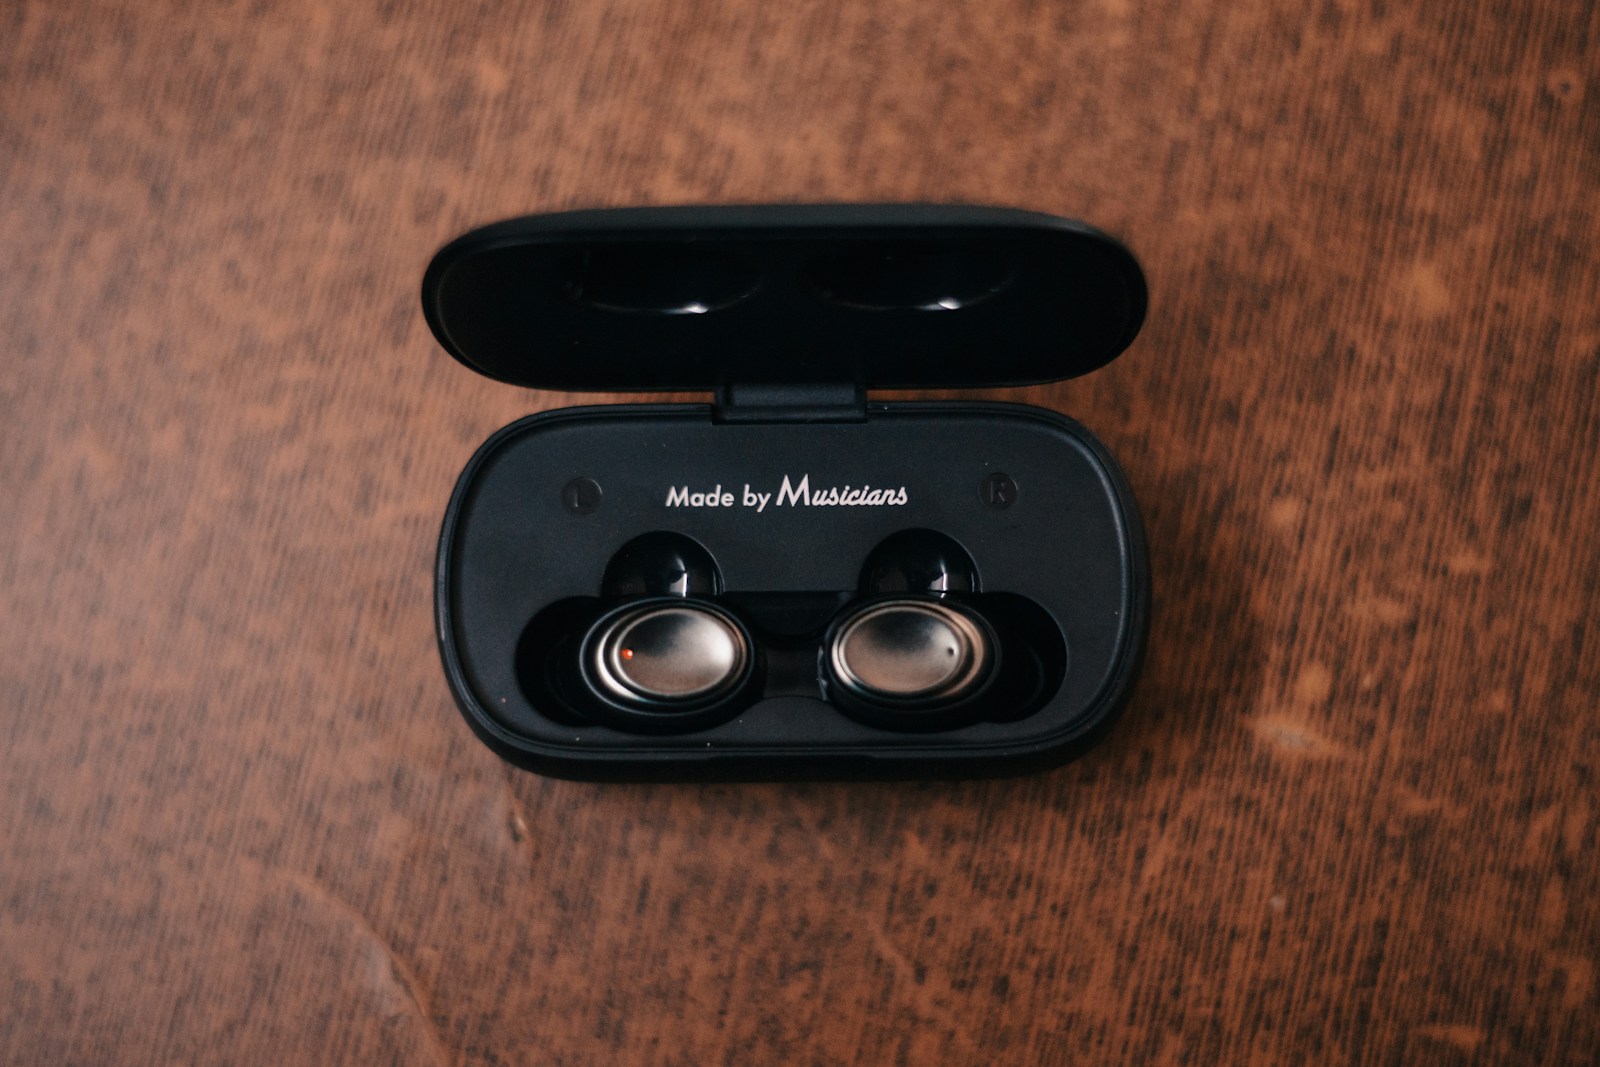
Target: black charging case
(793, 498)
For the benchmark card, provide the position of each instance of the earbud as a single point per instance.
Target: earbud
(667, 654)
(919, 561)
(666, 659)
(907, 656)
(661, 564)
(912, 653)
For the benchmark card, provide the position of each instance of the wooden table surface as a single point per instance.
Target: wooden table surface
(1350, 815)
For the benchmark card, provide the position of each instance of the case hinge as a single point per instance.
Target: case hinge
(808, 402)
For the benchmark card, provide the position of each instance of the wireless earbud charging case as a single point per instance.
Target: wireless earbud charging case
(792, 475)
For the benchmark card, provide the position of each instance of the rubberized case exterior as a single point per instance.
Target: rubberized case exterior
(896, 296)
(790, 480)
(1069, 545)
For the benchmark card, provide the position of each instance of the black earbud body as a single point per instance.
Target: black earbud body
(662, 656)
(661, 563)
(908, 654)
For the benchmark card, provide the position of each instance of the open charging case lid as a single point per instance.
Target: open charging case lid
(702, 298)
(789, 314)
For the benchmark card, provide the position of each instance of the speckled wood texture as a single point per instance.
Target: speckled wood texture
(1349, 817)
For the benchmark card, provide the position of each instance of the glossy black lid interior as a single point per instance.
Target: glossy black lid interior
(692, 298)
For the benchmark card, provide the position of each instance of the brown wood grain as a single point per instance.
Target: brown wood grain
(1349, 817)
